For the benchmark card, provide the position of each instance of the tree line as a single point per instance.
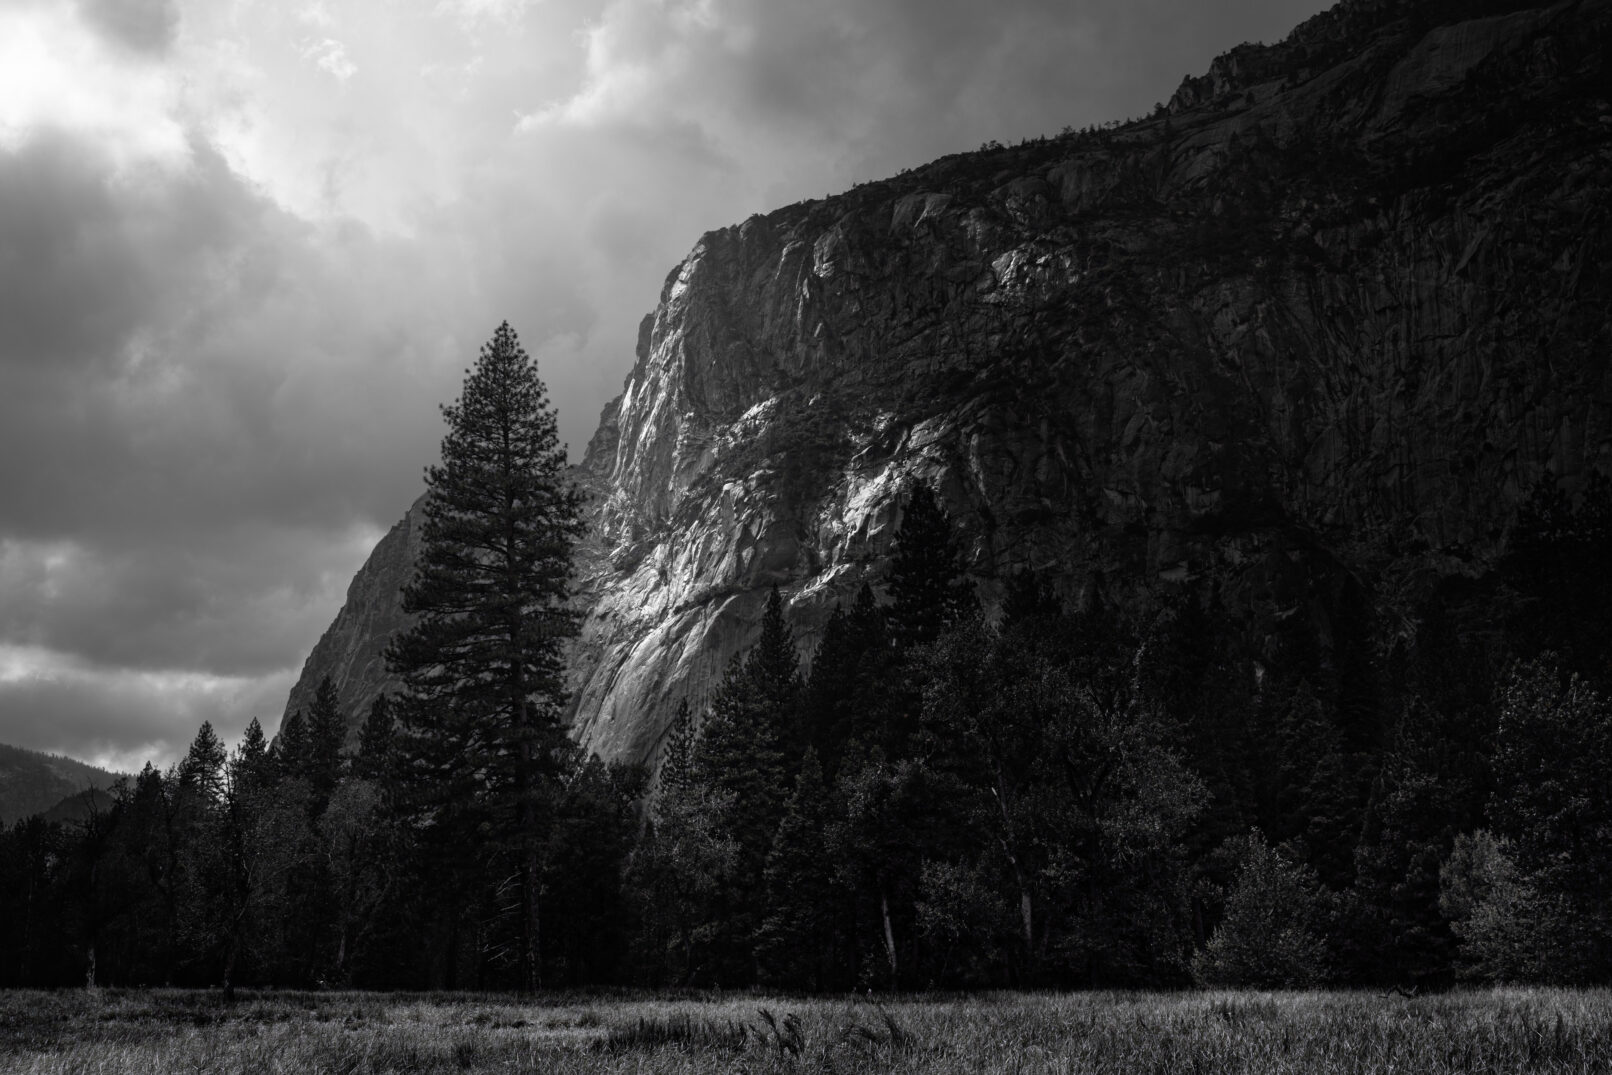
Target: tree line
(1053, 796)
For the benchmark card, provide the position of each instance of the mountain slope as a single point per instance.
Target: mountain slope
(35, 783)
(1314, 329)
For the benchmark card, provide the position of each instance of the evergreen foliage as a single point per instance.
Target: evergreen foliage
(293, 747)
(853, 695)
(1396, 933)
(743, 756)
(253, 763)
(480, 733)
(796, 942)
(682, 864)
(1055, 798)
(928, 589)
(374, 758)
(327, 732)
(1268, 938)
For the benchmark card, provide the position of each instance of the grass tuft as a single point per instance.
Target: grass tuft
(677, 1030)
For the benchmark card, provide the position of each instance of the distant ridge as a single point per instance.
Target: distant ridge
(35, 783)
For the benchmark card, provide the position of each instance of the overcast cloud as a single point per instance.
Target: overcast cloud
(246, 249)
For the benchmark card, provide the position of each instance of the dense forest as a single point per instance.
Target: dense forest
(1393, 772)
(1052, 796)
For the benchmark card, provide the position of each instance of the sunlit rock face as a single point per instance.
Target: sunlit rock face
(1320, 322)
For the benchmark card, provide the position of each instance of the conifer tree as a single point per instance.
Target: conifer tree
(1269, 937)
(155, 835)
(879, 695)
(202, 770)
(796, 942)
(927, 587)
(252, 762)
(293, 747)
(828, 690)
(740, 762)
(375, 740)
(684, 862)
(1397, 934)
(327, 731)
(480, 712)
(674, 773)
(774, 668)
(743, 745)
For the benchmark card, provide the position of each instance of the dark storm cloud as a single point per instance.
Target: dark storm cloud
(74, 280)
(121, 721)
(178, 356)
(145, 26)
(194, 424)
(200, 437)
(808, 98)
(209, 410)
(235, 601)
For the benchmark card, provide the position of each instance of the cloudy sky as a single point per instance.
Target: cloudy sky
(247, 247)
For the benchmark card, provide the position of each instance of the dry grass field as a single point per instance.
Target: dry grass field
(157, 1031)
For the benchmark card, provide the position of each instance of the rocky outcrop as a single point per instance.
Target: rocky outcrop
(1321, 321)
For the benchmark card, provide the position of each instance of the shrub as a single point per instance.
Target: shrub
(1268, 937)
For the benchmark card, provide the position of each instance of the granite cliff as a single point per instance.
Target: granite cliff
(1317, 325)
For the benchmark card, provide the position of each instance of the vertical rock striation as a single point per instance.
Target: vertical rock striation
(1324, 319)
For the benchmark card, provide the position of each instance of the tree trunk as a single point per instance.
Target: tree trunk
(1025, 907)
(229, 971)
(171, 933)
(1024, 913)
(889, 934)
(531, 957)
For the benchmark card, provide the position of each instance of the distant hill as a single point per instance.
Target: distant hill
(79, 807)
(35, 783)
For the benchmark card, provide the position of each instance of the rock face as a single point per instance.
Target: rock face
(352, 651)
(1319, 324)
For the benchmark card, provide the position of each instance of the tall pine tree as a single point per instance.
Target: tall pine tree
(482, 671)
(796, 941)
(293, 747)
(375, 741)
(928, 590)
(327, 731)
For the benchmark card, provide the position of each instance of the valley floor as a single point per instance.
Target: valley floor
(156, 1031)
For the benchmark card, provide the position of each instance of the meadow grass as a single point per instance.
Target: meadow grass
(115, 1031)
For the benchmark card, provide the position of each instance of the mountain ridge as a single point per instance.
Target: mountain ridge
(33, 782)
